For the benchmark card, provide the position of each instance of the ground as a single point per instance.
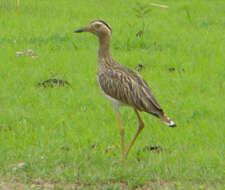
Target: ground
(57, 131)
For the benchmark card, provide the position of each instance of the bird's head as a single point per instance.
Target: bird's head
(98, 27)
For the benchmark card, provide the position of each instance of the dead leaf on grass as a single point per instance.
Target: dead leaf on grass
(28, 52)
(140, 33)
(65, 148)
(140, 67)
(18, 166)
(54, 82)
(152, 148)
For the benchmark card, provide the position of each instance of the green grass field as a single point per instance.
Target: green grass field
(67, 137)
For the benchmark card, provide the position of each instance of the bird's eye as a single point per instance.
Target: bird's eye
(97, 25)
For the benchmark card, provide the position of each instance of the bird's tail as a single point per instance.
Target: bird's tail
(167, 120)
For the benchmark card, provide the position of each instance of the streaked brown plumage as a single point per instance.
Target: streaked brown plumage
(121, 85)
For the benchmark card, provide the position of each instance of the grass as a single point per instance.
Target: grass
(67, 138)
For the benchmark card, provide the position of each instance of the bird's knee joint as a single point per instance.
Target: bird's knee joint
(141, 125)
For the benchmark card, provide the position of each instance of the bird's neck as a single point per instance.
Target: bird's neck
(104, 44)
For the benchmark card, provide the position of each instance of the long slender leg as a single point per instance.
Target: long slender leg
(121, 132)
(140, 127)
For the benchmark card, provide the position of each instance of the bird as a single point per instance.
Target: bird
(121, 85)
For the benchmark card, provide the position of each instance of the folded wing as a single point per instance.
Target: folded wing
(130, 88)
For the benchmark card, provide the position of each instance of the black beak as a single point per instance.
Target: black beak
(81, 30)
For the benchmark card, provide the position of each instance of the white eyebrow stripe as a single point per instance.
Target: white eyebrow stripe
(97, 22)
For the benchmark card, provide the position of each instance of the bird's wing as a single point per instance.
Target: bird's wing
(128, 87)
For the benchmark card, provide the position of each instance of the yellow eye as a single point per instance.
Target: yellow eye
(97, 25)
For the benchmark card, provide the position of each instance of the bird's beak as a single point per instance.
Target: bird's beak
(86, 29)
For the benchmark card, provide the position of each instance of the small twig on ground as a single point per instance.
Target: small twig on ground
(18, 3)
(158, 5)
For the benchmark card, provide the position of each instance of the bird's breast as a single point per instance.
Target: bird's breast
(115, 103)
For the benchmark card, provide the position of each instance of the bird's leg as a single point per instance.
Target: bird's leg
(121, 132)
(140, 127)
